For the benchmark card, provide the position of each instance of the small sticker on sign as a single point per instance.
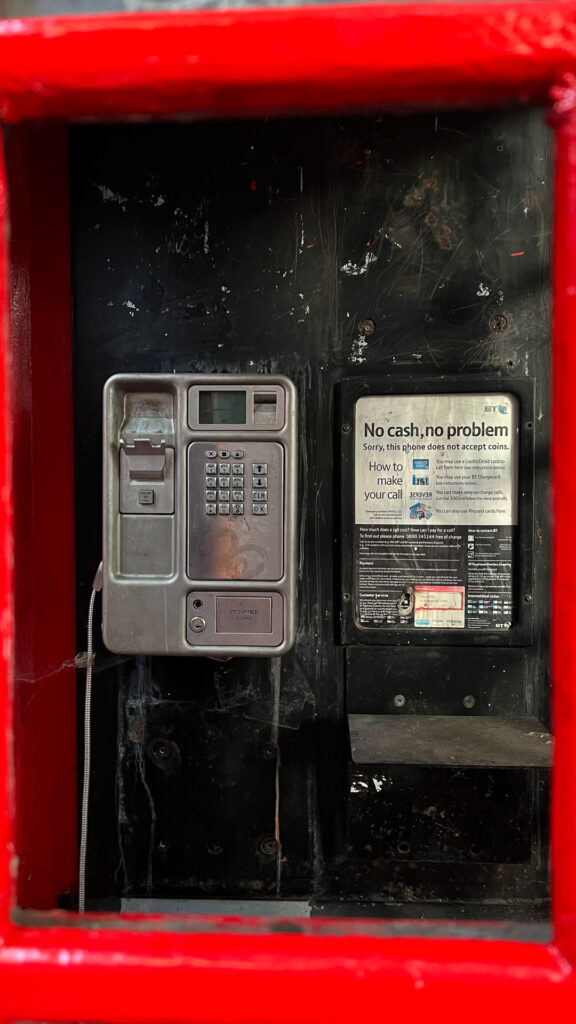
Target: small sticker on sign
(439, 607)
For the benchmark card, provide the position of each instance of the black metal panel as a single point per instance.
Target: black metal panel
(243, 247)
(437, 681)
(439, 814)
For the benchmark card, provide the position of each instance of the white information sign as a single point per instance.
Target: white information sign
(436, 459)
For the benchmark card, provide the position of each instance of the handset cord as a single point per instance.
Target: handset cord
(96, 587)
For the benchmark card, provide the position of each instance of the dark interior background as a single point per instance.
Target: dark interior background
(260, 247)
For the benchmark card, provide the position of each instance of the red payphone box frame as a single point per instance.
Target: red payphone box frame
(59, 967)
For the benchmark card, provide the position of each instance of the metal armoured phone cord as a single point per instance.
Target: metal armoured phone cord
(96, 587)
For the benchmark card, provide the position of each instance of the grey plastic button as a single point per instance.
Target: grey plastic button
(211, 467)
(238, 468)
(237, 495)
(224, 454)
(259, 481)
(211, 495)
(211, 454)
(224, 510)
(210, 509)
(259, 495)
(260, 510)
(146, 497)
(225, 470)
(238, 510)
(238, 455)
(260, 468)
(224, 495)
(223, 481)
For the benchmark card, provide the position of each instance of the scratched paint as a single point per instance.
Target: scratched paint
(360, 193)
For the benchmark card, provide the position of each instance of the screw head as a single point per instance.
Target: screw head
(270, 752)
(366, 325)
(399, 700)
(346, 428)
(528, 598)
(160, 750)
(269, 846)
(214, 847)
(498, 323)
(469, 701)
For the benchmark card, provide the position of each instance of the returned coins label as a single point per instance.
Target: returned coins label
(435, 510)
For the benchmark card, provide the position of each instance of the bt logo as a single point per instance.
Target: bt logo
(496, 408)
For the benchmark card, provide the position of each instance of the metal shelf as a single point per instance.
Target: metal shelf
(481, 741)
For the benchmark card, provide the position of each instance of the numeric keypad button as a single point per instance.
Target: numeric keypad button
(238, 469)
(210, 509)
(211, 468)
(224, 510)
(238, 509)
(223, 481)
(225, 468)
(237, 495)
(223, 495)
(210, 495)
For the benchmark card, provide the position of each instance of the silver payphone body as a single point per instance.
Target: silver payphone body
(199, 523)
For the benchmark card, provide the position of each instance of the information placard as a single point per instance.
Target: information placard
(435, 510)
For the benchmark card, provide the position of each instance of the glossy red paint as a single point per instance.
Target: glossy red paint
(564, 437)
(6, 579)
(43, 487)
(262, 979)
(217, 64)
(263, 61)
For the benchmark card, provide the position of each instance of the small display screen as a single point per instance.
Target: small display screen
(222, 407)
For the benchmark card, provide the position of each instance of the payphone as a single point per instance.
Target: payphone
(199, 514)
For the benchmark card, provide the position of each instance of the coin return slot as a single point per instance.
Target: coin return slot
(265, 408)
(243, 615)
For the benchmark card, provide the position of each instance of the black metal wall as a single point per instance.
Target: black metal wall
(242, 247)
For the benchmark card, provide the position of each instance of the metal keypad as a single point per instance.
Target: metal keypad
(223, 476)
